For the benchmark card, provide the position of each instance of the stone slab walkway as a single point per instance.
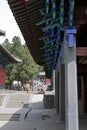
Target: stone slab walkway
(38, 118)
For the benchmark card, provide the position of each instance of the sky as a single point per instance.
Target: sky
(8, 23)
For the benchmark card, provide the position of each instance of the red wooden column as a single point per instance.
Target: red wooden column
(2, 78)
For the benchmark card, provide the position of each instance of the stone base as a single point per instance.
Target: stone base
(48, 100)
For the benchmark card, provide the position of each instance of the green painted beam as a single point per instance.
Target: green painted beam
(42, 11)
(54, 24)
(61, 15)
(71, 11)
(46, 19)
(53, 2)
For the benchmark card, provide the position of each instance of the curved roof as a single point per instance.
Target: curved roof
(8, 56)
(29, 12)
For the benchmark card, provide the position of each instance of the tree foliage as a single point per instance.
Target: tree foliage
(25, 70)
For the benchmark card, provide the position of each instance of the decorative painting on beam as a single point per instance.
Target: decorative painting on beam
(58, 21)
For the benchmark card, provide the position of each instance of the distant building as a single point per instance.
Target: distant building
(42, 77)
(5, 58)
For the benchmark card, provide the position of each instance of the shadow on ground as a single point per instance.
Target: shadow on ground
(35, 117)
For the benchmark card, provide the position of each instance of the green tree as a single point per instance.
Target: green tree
(7, 44)
(25, 70)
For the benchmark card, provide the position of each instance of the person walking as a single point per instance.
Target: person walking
(27, 87)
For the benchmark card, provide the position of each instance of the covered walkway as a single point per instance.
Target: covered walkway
(54, 31)
(38, 118)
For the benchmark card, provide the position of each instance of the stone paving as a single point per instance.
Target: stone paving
(37, 118)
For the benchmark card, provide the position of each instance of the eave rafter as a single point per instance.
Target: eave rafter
(43, 24)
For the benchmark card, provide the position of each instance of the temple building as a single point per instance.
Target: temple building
(55, 33)
(5, 58)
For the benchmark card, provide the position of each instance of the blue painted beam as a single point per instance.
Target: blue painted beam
(46, 35)
(69, 33)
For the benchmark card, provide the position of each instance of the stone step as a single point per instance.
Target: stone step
(17, 100)
(9, 117)
(1, 99)
(17, 105)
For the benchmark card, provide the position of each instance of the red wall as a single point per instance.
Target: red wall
(2, 76)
